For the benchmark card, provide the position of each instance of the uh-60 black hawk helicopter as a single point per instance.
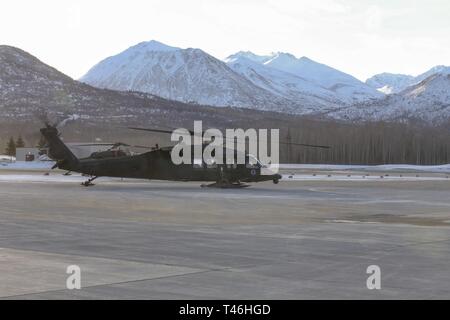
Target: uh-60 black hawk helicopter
(155, 164)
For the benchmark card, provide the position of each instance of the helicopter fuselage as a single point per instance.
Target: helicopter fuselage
(157, 164)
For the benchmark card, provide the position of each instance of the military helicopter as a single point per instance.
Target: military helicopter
(154, 164)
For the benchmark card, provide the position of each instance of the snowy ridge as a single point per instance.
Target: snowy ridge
(389, 83)
(315, 77)
(282, 83)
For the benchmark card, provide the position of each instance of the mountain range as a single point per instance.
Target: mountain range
(28, 86)
(187, 75)
(277, 82)
(152, 82)
(428, 101)
(305, 76)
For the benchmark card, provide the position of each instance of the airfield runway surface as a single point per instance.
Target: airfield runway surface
(300, 239)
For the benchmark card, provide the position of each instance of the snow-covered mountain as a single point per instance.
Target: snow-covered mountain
(187, 75)
(27, 85)
(389, 83)
(301, 76)
(346, 87)
(310, 95)
(443, 70)
(428, 100)
(277, 82)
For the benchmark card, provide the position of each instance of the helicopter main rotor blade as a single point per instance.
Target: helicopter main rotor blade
(94, 144)
(116, 144)
(168, 131)
(192, 133)
(304, 145)
(152, 130)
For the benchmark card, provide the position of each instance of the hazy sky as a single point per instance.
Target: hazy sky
(360, 37)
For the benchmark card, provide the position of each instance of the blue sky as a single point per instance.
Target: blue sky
(360, 37)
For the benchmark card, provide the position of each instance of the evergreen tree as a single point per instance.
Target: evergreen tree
(20, 143)
(11, 147)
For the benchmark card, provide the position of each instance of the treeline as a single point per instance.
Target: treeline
(351, 143)
(12, 145)
(367, 143)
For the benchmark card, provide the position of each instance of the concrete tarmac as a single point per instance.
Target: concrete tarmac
(311, 239)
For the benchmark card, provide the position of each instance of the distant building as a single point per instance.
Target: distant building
(27, 154)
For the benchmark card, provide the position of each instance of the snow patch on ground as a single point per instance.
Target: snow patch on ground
(44, 165)
(22, 165)
(319, 176)
(40, 178)
(358, 178)
(385, 167)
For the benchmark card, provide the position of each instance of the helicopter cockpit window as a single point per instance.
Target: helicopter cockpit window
(198, 164)
(251, 161)
(210, 163)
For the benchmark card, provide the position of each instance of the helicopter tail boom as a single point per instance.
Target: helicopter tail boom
(58, 151)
